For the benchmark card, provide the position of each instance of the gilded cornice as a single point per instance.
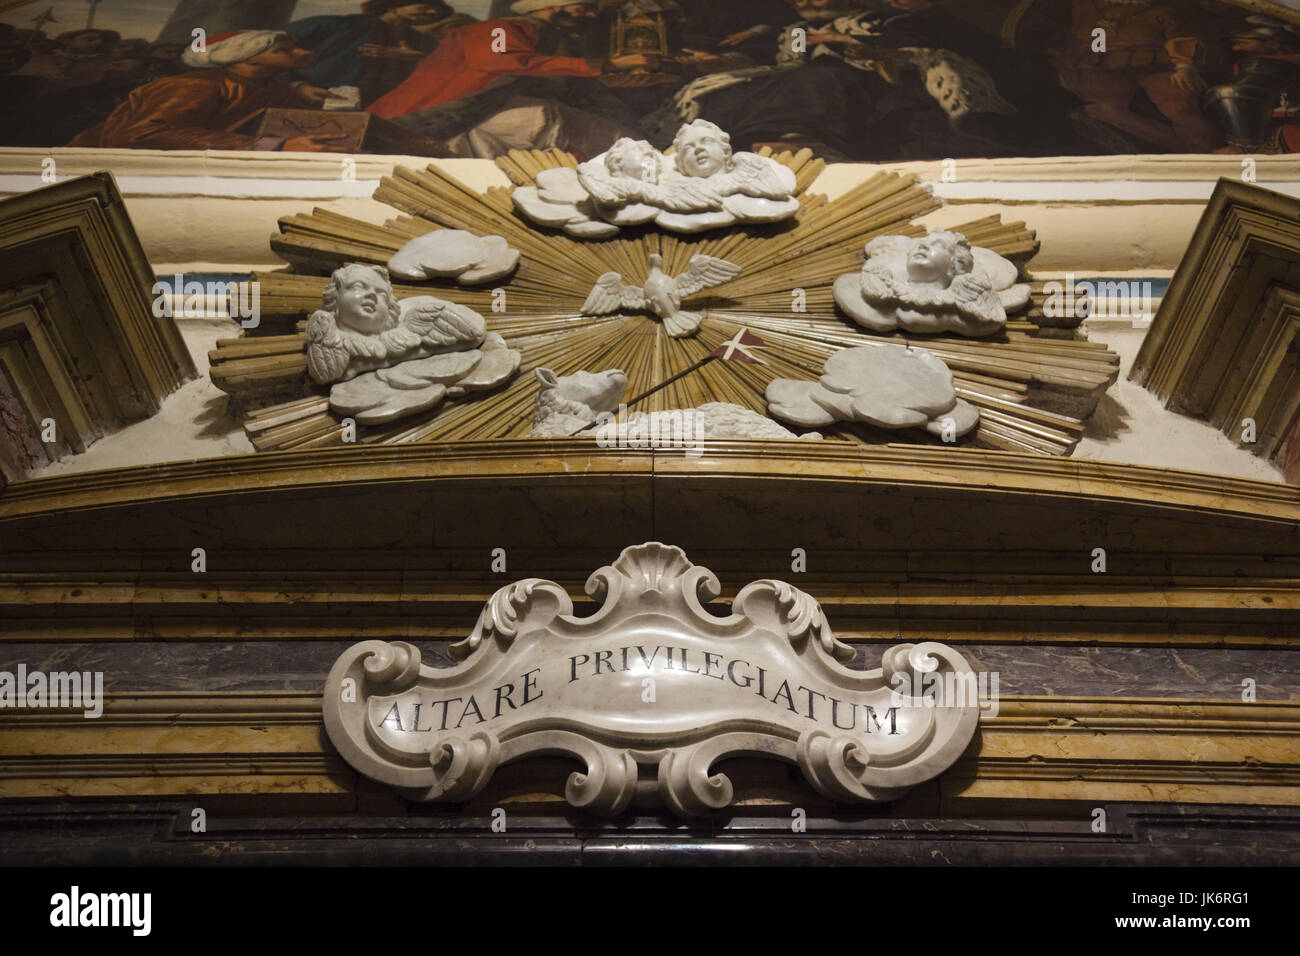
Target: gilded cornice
(972, 474)
(157, 745)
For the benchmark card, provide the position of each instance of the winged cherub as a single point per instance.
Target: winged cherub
(362, 327)
(661, 294)
(385, 359)
(924, 285)
(710, 185)
(703, 186)
(634, 185)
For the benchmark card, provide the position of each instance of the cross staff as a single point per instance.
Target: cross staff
(735, 349)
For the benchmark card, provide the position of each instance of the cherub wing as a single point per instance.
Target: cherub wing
(327, 357)
(321, 330)
(975, 294)
(438, 324)
(603, 189)
(704, 273)
(685, 194)
(878, 280)
(759, 176)
(969, 287)
(609, 294)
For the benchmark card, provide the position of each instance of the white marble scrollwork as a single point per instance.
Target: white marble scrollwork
(655, 678)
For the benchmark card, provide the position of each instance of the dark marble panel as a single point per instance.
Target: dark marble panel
(1063, 670)
(206, 666)
(1212, 673)
(1139, 834)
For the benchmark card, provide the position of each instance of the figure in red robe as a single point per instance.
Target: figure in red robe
(515, 82)
(238, 75)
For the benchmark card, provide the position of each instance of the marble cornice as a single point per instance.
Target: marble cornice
(972, 472)
(1081, 715)
(1222, 344)
(1087, 715)
(158, 745)
(395, 542)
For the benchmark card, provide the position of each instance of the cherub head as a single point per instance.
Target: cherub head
(633, 159)
(702, 149)
(939, 258)
(360, 297)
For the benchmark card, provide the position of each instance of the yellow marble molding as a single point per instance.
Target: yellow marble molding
(155, 744)
(1133, 749)
(395, 541)
(973, 471)
(42, 385)
(78, 336)
(178, 607)
(164, 745)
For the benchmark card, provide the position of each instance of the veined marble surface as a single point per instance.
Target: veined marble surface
(1047, 670)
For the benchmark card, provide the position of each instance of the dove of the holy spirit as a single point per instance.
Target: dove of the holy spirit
(662, 294)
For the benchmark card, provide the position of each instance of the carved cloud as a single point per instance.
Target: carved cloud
(888, 386)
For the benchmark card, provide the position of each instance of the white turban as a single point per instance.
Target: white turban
(532, 6)
(227, 48)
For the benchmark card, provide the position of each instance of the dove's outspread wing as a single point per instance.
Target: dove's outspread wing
(609, 294)
(704, 273)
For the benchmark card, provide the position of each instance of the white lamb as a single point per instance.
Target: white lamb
(587, 403)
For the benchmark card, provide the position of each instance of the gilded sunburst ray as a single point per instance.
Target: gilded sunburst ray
(1032, 391)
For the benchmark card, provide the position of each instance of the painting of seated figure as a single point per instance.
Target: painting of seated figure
(852, 80)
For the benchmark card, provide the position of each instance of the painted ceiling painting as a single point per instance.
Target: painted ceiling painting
(861, 80)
